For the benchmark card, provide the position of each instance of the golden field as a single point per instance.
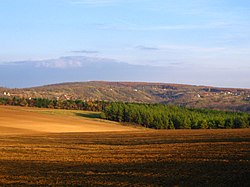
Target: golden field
(20, 120)
(42, 147)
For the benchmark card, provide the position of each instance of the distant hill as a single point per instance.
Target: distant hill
(177, 94)
(23, 74)
(29, 73)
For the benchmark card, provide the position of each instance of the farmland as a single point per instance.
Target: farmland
(20, 120)
(42, 147)
(232, 99)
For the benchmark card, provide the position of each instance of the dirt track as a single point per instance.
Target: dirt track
(17, 120)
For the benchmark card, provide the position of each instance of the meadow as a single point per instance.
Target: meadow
(24, 120)
(44, 147)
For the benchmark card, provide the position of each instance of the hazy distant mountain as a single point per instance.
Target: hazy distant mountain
(76, 68)
(81, 68)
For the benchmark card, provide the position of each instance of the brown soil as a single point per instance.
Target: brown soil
(122, 158)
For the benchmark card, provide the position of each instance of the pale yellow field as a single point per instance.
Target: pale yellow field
(20, 120)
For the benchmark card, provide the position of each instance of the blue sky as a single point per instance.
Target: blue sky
(193, 35)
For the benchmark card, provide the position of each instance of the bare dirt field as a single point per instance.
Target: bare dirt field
(123, 158)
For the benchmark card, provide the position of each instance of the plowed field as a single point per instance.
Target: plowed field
(32, 155)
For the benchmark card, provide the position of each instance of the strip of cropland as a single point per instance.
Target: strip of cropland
(21, 120)
(128, 157)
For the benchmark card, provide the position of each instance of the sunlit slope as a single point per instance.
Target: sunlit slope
(233, 99)
(17, 120)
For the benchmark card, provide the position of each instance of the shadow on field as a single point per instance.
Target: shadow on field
(88, 115)
(145, 158)
(30, 173)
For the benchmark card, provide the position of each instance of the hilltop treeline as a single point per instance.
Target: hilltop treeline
(55, 104)
(157, 116)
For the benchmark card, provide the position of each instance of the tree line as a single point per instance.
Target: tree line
(55, 104)
(157, 116)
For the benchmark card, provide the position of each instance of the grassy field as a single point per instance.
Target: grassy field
(128, 157)
(21, 120)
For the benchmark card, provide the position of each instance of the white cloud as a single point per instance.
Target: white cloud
(136, 27)
(85, 51)
(192, 48)
(147, 48)
(59, 64)
(94, 2)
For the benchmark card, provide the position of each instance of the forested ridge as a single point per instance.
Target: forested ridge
(157, 116)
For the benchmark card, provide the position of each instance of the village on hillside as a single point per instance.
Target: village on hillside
(182, 95)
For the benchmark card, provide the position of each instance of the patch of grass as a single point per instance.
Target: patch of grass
(61, 112)
(89, 114)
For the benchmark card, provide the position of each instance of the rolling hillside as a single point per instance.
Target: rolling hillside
(177, 94)
(16, 120)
